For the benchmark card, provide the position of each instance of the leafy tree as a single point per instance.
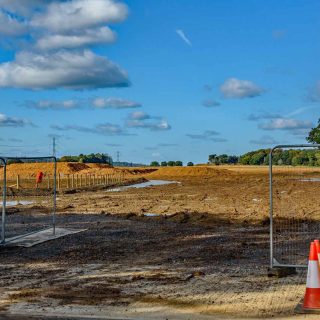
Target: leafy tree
(179, 163)
(154, 164)
(171, 163)
(314, 134)
(190, 164)
(164, 163)
(212, 158)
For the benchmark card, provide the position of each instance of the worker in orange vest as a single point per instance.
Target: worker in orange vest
(39, 177)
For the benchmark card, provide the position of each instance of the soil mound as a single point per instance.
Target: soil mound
(188, 172)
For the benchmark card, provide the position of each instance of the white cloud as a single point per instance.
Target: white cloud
(6, 121)
(86, 38)
(10, 26)
(285, 124)
(238, 89)
(64, 16)
(54, 105)
(183, 36)
(139, 115)
(70, 70)
(116, 103)
(141, 120)
(23, 7)
(108, 129)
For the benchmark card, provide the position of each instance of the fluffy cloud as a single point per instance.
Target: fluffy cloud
(142, 120)
(162, 125)
(10, 26)
(70, 41)
(117, 103)
(208, 135)
(61, 17)
(139, 115)
(6, 121)
(60, 32)
(70, 70)
(209, 103)
(22, 7)
(265, 140)
(238, 89)
(285, 124)
(107, 129)
(54, 105)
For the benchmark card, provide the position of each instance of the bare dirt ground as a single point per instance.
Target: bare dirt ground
(204, 257)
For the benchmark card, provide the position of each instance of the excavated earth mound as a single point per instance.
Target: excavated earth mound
(185, 172)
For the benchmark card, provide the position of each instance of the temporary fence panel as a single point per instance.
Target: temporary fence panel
(29, 201)
(294, 203)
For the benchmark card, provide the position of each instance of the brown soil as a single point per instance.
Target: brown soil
(205, 255)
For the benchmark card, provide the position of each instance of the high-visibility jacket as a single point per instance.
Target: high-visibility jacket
(39, 177)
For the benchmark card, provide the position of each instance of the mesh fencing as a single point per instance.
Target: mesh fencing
(30, 196)
(295, 204)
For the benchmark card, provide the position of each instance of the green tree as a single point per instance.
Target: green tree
(154, 164)
(314, 134)
(190, 164)
(164, 163)
(171, 163)
(178, 163)
(211, 158)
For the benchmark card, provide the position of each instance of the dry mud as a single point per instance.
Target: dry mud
(204, 257)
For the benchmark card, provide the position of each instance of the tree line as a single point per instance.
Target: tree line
(290, 157)
(169, 164)
(88, 158)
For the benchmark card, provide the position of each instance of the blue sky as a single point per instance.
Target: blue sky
(157, 80)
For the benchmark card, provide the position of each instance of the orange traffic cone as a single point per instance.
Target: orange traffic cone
(317, 243)
(312, 295)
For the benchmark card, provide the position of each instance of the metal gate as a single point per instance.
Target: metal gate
(28, 201)
(294, 173)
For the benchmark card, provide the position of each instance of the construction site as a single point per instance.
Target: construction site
(173, 242)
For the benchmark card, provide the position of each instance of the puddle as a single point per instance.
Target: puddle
(152, 214)
(310, 179)
(22, 202)
(12, 203)
(143, 185)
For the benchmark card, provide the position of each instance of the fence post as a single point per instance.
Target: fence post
(68, 182)
(18, 181)
(59, 181)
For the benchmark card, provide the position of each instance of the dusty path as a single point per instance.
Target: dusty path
(138, 266)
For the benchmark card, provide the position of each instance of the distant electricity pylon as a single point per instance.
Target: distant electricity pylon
(54, 146)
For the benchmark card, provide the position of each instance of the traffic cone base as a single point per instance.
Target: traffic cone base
(312, 296)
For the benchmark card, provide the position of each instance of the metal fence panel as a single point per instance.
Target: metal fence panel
(30, 202)
(294, 207)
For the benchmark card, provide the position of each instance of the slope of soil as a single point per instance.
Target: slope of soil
(183, 172)
(31, 169)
